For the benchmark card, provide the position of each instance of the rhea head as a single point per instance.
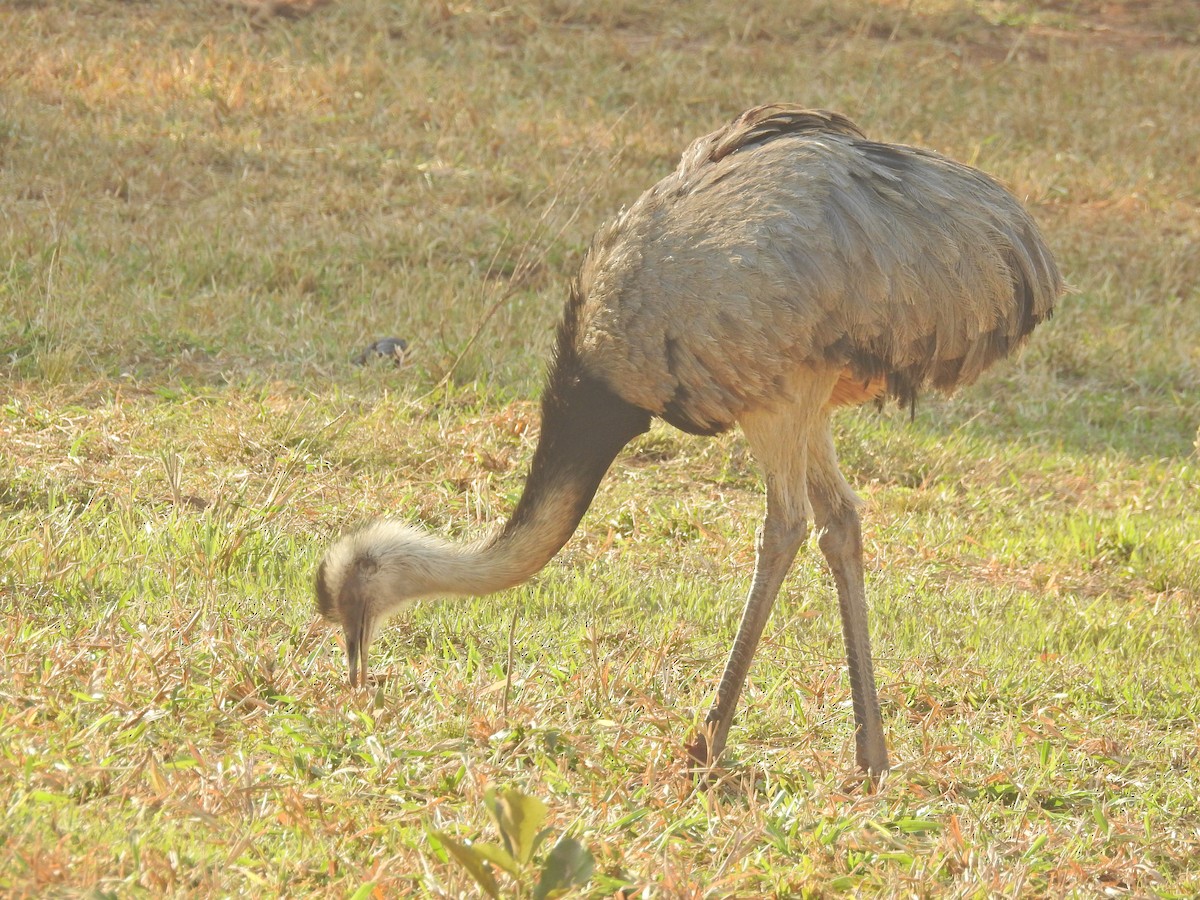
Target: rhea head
(371, 574)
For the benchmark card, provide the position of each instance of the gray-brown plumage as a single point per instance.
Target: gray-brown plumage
(787, 267)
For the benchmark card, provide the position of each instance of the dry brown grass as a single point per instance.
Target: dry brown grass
(206, 209)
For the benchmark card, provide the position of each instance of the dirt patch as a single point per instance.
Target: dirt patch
(990, 26)
(1142, 24)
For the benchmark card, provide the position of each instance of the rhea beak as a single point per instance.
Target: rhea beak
(356, 658)
(358, 638)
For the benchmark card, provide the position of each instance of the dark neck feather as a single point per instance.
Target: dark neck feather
(584, 426)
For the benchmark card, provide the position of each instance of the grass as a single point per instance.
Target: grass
(206, 210)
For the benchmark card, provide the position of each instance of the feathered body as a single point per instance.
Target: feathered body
(788, 239)
(789, 265)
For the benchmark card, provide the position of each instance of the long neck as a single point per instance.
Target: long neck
(584, 427)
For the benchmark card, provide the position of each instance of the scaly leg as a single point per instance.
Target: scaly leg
(840, 537)
(779, 539)
(779, 441)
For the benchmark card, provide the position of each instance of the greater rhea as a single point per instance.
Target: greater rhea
(787, 267)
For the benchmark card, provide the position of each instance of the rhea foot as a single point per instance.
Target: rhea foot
(703, 751)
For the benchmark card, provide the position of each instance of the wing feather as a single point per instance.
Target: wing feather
(789, 240)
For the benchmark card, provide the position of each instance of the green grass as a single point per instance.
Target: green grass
(205, 212)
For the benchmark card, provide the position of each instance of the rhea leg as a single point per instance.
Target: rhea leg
(840, 537)
(778, 540)
(779, 440)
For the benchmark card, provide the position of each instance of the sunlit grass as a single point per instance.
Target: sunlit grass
(205, 213)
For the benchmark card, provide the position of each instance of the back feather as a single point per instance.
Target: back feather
(786, 240)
